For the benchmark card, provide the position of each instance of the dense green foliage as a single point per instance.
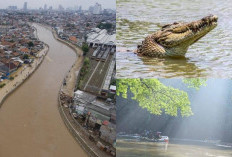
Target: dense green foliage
(83, 72)
(85, 48)
(70, 25)
(11, 78)
(104, 26)
(157, 97)
(85, 67)
(25, 56)
(195, 82)
(2, 85)
(30, 44)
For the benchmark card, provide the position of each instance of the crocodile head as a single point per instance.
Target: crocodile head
(177, 37)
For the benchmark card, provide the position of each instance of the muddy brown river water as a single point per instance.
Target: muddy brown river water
(30, 123)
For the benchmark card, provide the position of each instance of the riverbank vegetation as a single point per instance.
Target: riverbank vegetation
(85, 48)
(84, 70)
(106, 26)
(2, 85)
(11, 78)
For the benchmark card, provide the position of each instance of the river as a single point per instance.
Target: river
(30, 123)
(209, 57)
(129, 148)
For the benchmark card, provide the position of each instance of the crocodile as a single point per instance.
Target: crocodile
(173, 40)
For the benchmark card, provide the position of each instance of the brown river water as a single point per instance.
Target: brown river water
(30, 123)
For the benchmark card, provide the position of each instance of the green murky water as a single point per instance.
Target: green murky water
(150, 149)
(209, 57)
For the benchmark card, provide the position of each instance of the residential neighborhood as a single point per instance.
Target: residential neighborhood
(18, 45)
(87, 95)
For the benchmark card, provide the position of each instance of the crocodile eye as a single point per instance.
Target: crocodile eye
(165, 26)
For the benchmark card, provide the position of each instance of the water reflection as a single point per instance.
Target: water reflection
(172, 67)
(143, 66)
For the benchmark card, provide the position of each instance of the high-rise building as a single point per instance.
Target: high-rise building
(91, 8)
(25, 6)
(61, 8)
(12, 7)
(45, 6)
(97, 9)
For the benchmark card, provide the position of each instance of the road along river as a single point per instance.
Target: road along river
(30, 123)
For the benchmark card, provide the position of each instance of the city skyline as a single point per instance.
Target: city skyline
(33, 4)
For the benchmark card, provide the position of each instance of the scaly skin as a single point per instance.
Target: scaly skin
(174, 39)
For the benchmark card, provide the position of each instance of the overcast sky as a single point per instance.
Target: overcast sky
(55, 3)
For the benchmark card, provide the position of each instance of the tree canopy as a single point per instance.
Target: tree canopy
(30, 44)
(25, 56)
(85, 48)
(104, 26)
(195, 82)
(157, 97)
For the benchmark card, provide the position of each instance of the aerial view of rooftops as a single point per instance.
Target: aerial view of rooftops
(57, 78)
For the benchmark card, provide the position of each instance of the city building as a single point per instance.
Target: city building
(97, 9)
(61, 8)
(91, 8)
(12, 7)
(80, 9)
(100, 37)
(25, 6)
(45, 6)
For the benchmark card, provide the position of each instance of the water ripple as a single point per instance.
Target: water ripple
(209, 57)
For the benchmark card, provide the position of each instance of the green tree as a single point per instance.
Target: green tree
(25, 56)
(155, 96)
(30, 44)
(86, 61)
(85, 48)
(11, 78)
(105, 26)
(195, 82)
(2, 85)
(85, 68)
